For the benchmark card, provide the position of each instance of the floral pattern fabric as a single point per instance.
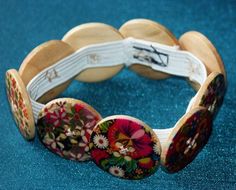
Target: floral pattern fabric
(214, 94)
(125, 148)
(65, 127)
(188, 141)
(21, 113)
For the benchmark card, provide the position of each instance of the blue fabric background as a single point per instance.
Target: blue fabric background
(26, 24)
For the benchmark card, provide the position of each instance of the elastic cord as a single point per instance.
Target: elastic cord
(128, 51)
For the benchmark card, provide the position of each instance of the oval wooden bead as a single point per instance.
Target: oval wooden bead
(151, 31)
(20, 104)
(189, 136)
(64, 127)
(89, 34)
(211, 93)
(125, 147)
(42, 57)
(200, 46)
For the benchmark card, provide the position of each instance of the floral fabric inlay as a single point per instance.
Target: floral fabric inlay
(214, 94)
(125, 148)
(18, 105)
(188, 141)
(65, 127)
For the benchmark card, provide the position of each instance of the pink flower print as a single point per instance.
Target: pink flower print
(58, 117)
(131, 137)
(89, 126)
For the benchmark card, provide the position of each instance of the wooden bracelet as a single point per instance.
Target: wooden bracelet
(121, 145)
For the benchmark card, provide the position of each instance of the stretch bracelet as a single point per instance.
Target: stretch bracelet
(122, 145)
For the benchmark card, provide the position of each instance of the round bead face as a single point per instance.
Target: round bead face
(125, 147)
(211, 95)
(186, 140)
(65, 126)
(20, 104)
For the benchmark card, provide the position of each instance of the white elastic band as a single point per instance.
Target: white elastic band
(163, 134)
(130, 51)
(168, 59)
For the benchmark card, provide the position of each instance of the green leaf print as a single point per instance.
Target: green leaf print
(20, 112)
(105, 164)
(104, 127)
(121, 161)
(16, 95)
(113, 160)
(50, 135)
(131, 165)
(73, 109)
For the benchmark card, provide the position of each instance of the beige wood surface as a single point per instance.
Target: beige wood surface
(42, 57)
(21, 105)
(93, 33)
(202, 48)
(151, 31)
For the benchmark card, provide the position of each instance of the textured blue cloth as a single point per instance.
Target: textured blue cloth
(26, 24)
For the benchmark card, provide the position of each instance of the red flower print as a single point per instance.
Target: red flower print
(78, 107)
(131, 136)
(21, 104)
(12, 93)
(17, 103)
(58, 117)
(98, 155)
(13, 81)
(76, 117)
(25, 113)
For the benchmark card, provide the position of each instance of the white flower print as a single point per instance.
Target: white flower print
(52, 141)
(156, 149)
(79, 156)
(75, 156)
(116, 171)
(117, 154)
(100, 141)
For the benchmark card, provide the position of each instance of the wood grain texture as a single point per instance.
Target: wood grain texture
(200, 46)
(42, 57)
(93, 33)
(151, 31)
